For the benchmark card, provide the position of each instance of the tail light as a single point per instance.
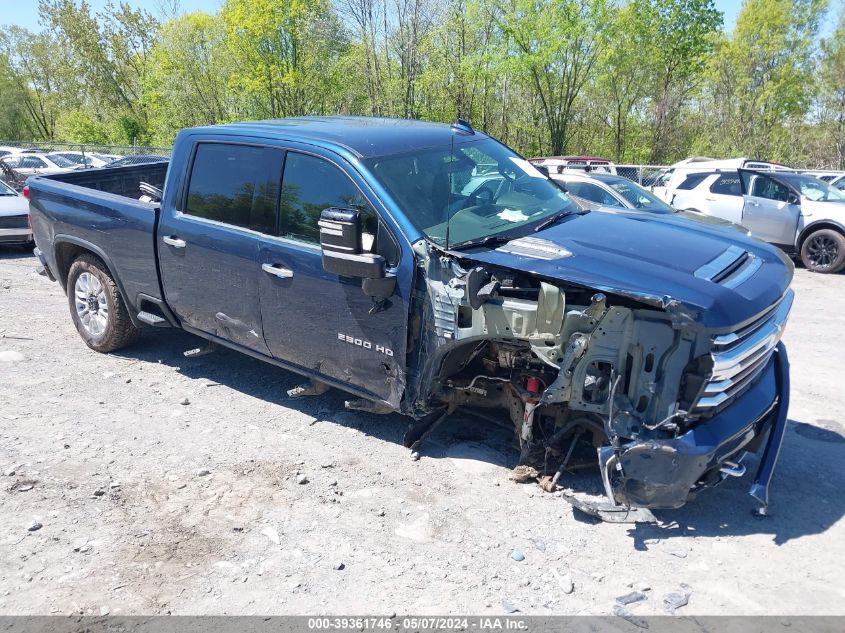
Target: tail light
(25, 192)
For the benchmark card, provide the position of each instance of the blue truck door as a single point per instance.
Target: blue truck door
(319, 321)
(208, 244)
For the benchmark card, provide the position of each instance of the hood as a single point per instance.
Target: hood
(813, 210)
(715, 278)
(713, 220)
(13, 205)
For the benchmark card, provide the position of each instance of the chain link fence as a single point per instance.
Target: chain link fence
(45, 147)
(645, 175)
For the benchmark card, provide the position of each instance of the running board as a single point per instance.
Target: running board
(152, 319)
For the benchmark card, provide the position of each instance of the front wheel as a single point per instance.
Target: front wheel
(97, 307)
(824, 251)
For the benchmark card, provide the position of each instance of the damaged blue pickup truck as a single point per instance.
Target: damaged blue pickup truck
(426, 267)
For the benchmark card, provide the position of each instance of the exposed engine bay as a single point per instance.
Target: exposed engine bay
(583, 375)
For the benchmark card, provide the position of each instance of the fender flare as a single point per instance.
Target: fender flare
(812, 226)
(63, 238)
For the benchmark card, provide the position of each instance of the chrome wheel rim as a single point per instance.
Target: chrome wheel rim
(822, 251)
(92, 308)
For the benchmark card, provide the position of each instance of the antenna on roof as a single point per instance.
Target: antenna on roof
(463, 126)
(449, 199)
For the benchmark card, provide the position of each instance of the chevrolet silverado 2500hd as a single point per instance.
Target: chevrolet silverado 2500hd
(424, 267)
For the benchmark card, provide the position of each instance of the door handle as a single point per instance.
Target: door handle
(753, 204)
(175, 242)
(710, 199)
(283, 273)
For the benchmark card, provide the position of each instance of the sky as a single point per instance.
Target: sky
(25, 12)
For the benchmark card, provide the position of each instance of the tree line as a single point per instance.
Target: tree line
(638, 81)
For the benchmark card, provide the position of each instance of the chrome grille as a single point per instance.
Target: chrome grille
(739, 357)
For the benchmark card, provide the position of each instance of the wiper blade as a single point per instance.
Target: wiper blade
(485, 241)
(557, 217)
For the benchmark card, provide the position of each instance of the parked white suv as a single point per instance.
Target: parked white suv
(672, 177)
(716, 193)
(801, 214)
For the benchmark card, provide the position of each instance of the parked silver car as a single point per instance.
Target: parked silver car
(607, 192)
(799, 213)
(28, 164)
(14, 217)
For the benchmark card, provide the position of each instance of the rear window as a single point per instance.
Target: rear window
(236, 184)
(727, 185)
(692, 181)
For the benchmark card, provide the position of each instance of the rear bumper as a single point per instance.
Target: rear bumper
(662, 473)
(16, 235)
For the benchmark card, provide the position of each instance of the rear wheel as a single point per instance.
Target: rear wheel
(824, 251)
(97, 307)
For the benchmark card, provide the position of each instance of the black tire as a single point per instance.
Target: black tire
(823, 251)
(107, 329)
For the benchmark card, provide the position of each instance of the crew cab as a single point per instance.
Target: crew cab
(354, 252)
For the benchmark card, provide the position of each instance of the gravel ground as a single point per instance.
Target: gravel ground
(167, 485)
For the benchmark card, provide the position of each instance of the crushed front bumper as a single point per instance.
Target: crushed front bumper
(662, 473)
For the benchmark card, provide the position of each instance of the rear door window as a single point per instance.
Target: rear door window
(235, 184)
(692, 181)
(727, 185)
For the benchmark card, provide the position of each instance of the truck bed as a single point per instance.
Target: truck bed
(121, 181)
(98, 210)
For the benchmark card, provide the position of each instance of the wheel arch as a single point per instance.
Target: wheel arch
(816, 226)
(67, 249)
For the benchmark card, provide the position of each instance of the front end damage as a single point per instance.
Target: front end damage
(629, 384)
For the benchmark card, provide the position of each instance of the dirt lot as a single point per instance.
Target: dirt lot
(112, 464)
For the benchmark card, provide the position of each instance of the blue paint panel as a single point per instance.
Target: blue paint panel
(655, 256)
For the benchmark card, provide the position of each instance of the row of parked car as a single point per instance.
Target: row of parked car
(17, 164)
(36, 162)
(802, 213)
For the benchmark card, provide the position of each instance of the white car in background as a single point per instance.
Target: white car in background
(717, 193)
(28, 164)
(582, 164)
(8, 151)
(671, 178)
(826, 176)
(85, 159)
(14, 217)
(610, 193)
(799, 213)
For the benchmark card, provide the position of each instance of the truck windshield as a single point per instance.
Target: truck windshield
(483, 189)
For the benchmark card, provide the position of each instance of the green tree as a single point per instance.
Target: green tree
(832, 96)
(110, 52)
(553, 47)
(191, 70)
(39, 75)
(286, 54)
(678, 39)
(762, 78)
